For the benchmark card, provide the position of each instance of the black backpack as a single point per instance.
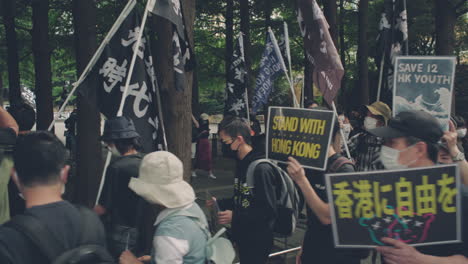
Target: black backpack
(86, 252)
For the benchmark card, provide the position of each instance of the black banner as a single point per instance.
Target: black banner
(304, 134)
(417, 206)
(235, 103)
(111, 70)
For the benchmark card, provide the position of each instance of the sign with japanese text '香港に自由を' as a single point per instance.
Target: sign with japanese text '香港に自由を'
(416, 206)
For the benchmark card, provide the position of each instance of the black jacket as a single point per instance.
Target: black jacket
(252, 214)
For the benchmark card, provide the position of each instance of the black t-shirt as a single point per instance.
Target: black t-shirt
(318, 244)
(120, 202)
(62, 219)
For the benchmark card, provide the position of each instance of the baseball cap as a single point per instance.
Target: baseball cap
(380, 109)
(412, 123)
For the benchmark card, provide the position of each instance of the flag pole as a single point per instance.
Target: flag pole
(125, 91)
(278, 53)
(407, 40)
(130, 5)
(135, 54)
(246, 93)
(161, 116)
(342, 134)
(288, 50)
(379, 86)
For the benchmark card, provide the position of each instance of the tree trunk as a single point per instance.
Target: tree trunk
(268, 11)
(341, 99)
(308, 79)
(1, 88)
(177, 105)
(330, 11)
(363, 51)
(245, 28)
(229, 35)
(12, 54)
(445, 20)
(89, 165)
(42, 67)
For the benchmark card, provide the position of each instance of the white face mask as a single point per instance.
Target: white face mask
(347, 128)
(389, 158)
(370, 123)
(461, 132)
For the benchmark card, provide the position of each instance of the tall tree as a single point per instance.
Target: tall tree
(330, 10)
(8, 8)
(229, 34)
(363, 51)
(445, 19)
(177, 104)
(245, 29)
(42, 67)
(89, 165)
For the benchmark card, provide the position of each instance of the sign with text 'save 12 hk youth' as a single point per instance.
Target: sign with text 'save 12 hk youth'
(424, 83)
(416, 206)
(304, 134)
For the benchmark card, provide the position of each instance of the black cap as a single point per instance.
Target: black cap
(119, 127)
(413, 123)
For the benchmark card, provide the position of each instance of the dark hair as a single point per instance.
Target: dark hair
(124, 145)
(24, 115)
(432, 149)
(458, 121)
(39, 157)
(309, 102)
(235, 126)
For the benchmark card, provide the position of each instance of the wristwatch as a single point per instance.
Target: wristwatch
(459, 157)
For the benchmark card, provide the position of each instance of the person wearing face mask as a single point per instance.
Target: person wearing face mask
(251, 215)
(318, 246)
(460, 127)
(117, 203)
(40, 172)
(365, 147)
(411, 141)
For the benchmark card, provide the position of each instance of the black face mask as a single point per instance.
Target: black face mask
(229, 152)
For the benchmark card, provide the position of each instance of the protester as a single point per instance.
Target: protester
(411, 141)
(318, 246)
(40, 173)
(180, 234)
(8, 131)
(121, 206)
(251, 216)
(310, 104)
(365, 147)
(258, 139)
(345, 125)
(450, 153)
(460, 125)
(25, 116)
(203, 158)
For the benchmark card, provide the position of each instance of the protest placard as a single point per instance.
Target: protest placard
(304, 134)
(424, 83)
(417, 206)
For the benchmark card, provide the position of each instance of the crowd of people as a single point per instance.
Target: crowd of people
(140, 189)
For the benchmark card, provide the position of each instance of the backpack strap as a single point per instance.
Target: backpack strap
(33, 229)
(340, 161)
(250, 179)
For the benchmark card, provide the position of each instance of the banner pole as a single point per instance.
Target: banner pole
(130, 5)
(283, 65)
(379, 86)
(246, 93)
(124, 94)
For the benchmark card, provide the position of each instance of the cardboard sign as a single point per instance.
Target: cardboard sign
(424, 83)
(417, 206)
(304, 134)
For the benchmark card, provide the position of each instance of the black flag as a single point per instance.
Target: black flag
(236, 88)
(392, 40)
(181, 51)
(320, 49)
(111, 70)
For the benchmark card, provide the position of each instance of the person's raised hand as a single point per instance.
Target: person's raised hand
(295, 170)
(399, 253)
(225, 217)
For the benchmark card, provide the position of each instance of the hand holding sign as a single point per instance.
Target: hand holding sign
(399, 252)
(450, 138)
(296, 171)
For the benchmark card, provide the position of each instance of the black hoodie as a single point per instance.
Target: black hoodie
(253, 214)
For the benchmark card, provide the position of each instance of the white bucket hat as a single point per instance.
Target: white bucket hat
(161, 181)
